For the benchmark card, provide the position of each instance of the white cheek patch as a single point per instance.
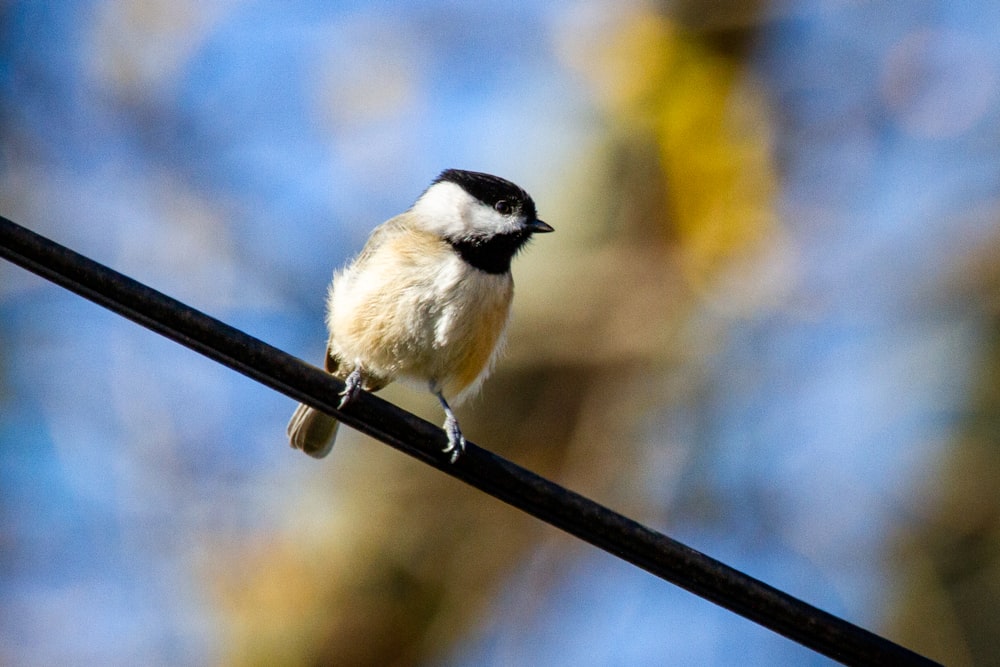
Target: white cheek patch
(482, 220)
(442, 209)
(450, 212)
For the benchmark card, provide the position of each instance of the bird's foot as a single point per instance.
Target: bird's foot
(456, 441)
(352, 385)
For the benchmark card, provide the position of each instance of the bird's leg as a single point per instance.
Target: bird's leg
(456, 441)
(352, 385)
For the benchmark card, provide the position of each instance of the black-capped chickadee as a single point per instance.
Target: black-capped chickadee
(428, 298)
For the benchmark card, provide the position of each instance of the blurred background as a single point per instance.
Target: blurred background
(768, 325)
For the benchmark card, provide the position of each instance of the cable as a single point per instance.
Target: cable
(629, 540)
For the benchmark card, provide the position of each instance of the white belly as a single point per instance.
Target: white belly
(404, 315)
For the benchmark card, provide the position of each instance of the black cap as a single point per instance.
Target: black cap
(491, 190)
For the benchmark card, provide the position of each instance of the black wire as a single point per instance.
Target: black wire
(594, 523)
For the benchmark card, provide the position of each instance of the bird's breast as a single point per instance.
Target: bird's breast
(416, 309)
(470, 327)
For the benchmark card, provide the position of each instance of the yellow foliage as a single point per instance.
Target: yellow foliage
(712, 129)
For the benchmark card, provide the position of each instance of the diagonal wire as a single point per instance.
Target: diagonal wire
(652, 551)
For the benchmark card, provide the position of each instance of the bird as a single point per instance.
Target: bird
(427, 299)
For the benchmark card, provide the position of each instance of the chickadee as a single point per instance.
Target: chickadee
(427, 299)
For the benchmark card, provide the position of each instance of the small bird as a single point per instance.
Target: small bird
(427, 299)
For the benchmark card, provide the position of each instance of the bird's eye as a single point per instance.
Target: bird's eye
(503, 207)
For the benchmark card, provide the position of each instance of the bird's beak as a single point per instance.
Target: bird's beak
(538, 227)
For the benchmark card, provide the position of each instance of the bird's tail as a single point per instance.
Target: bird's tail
(312, 431)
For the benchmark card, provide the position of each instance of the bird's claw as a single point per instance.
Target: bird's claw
(352, 385)
(456, 441)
